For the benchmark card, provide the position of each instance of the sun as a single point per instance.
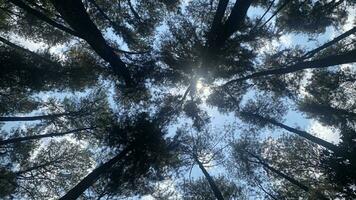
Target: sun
(202, 88)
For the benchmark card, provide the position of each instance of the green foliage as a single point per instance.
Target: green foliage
(199, 189)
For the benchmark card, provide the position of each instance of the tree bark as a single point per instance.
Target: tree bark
(236, 18)
(221, 32)
(217, 21)
(92, 177)
(213, 186)
(74, 13)
(35, 137)
(332, 60)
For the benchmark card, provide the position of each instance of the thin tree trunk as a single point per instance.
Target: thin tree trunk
(35, 118)
(92, 177)
(74, 13)
(132, 9)
(328, 110)
(36, 167)
(303, 134)
(43, 17)
(332, 60)
(264, 14)
(268, 193)
(213, 186)
(36, 137)
(17, 47)
(328, 44)
(285, 176)
(275, 13)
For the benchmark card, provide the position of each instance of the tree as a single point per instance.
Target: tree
(142, 150)
(199, 189)
(50, 170)
(250, 160)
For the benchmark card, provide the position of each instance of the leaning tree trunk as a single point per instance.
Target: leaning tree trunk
(43, 17)
(285, 176)
(36, 118)
(304, 134)
(320, 109)
(328, 44)
(35, 137)
(213, 186)
(348, 57)
(19, 48)
(92, 177)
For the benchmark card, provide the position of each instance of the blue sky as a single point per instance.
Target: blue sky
(218, 119)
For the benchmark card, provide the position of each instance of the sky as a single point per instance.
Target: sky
(218, 120)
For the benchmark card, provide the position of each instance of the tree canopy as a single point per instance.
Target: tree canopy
(177, 99)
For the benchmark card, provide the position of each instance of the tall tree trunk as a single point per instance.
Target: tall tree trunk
(92, 177)
(348, 57)
(281, 174)
(285, 176)
(217, 21)
(35, 118)
(74, 13)
(35, 137)
(303, 134)
(213, 186)
(236, 18)
(328, 44)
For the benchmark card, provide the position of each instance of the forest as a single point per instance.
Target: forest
(178, 99)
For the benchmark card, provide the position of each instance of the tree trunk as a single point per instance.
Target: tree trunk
(35, 118)
(288, 178)
(328, 44)
(264, 14)
(213, 186)
(236, 18)
(17, 47)
(92, 177)
(303, 134)
(43, 17)
(285, 176)
(217, 21)
(35, 137)
(74, 13)
(328, 110)
(332, 60)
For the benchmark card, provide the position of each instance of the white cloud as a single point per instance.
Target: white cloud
(286, 40)
(324, 132)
